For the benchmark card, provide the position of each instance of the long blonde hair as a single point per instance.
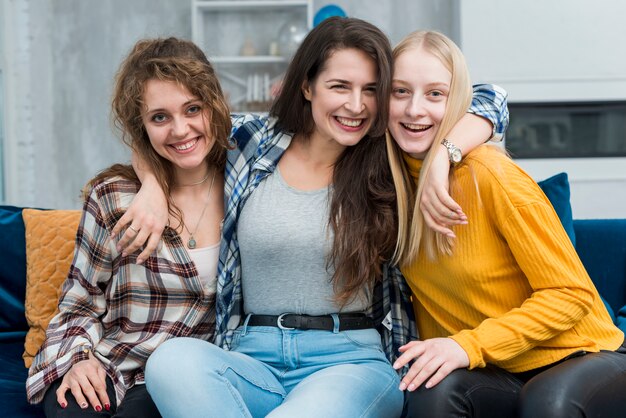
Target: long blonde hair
(412, 229)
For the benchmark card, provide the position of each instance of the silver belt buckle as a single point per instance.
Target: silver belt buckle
(279, 322)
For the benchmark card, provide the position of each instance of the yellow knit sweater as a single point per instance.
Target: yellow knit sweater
(514, 292)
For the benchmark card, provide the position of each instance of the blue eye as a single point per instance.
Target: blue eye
(194, 109)
(158, 118)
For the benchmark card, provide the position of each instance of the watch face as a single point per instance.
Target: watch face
(456, 156)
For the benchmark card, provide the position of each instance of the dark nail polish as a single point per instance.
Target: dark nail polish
(63, 405)
(98, 408)
(107, 406)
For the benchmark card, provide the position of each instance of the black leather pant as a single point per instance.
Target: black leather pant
(137, 403)
(584, 385)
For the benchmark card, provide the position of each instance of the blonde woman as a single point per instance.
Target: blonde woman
(508, 318)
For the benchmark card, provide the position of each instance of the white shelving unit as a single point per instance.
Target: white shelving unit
(241, 39)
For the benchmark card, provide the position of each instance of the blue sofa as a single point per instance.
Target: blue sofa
(601, 245)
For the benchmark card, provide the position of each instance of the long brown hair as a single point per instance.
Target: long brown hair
(175, 60)
(293, 110)
(362, 213)
(413, 232)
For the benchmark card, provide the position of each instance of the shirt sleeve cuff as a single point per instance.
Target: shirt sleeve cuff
(473, 350)
(81, 354)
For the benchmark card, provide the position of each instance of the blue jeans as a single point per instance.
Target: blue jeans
(277, 373)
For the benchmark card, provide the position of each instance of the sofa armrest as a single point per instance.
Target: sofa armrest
(601, 245)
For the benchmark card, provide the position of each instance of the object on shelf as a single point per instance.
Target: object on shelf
(248, 49)
(290, 36)
(242, 39)
(327, 11)
(258, 88)
(273, 49)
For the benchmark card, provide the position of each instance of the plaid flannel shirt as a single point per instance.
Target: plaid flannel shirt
(260, 144)
(489, 101)
(115, 308)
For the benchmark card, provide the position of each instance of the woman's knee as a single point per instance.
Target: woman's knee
(177, 358)
(584, 386)
(371, 391)
(489, 392)
(550, 398)
(438, 400)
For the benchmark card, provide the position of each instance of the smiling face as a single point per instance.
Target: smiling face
(421, 84)
(343, 97)
(176, 121)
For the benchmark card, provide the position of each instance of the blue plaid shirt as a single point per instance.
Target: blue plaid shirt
(489, 101)
(259, 146)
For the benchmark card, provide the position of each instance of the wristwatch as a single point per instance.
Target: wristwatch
(454, 153)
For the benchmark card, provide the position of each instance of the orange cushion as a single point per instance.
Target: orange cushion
(50, 236)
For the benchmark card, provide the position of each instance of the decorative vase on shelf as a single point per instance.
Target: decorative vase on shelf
(248, 49)
(290, 36)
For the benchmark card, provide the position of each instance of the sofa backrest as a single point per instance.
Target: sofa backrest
(600, 243)
(12, 272)
(601, 246)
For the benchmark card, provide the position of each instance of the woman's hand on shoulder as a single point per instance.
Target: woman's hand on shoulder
(439, 209)
(144, 220)
(435, 358)
(87, 382)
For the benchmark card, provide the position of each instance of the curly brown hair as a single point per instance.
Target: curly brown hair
(165, 59)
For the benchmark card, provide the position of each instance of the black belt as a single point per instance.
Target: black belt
(303, 322)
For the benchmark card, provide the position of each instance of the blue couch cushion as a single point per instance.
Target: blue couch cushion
(556, 188)
(603, 264)
(12, 270)
(620, 319)
(601, 246)
(12, 377)
(609, 309)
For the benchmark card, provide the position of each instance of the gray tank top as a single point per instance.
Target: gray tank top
(284, 240)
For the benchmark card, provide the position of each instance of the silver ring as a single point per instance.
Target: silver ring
(131, 227)
(451, 215)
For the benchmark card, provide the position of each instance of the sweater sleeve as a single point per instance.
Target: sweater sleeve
(561, 289)
(489, 101)
(77, 328)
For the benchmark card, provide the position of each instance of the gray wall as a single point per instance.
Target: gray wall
(61, 57)
(397, 18)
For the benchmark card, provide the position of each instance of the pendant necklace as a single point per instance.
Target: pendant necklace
(191, 243)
